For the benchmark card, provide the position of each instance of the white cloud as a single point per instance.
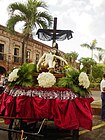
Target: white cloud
(65, 2)
(51, 2)
(85, 17)
(97, 3)
(83, 23)
(102, 36)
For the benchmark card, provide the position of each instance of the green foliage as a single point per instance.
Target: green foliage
(11, 84)
(97, 74)
(95, 85)
(71, 81)
(97, 71)
(71, 57)
(87, 63)
(30, 14)
(25, 74)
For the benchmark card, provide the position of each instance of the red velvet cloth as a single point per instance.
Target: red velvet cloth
(67, 114)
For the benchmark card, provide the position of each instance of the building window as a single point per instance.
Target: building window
(1, 51)
(28, 56)
(37, 57)
(16, 55)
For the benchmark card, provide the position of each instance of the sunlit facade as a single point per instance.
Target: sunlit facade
(11, 50)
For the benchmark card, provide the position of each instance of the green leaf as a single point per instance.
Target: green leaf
(25, 74)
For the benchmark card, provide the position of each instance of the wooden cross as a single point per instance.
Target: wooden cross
(54, 30)
(54, 34)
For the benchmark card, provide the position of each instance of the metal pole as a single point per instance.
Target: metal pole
(16, 131)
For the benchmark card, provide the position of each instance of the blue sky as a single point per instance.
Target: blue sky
(86, 18)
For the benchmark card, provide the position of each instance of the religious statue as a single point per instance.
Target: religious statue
(48, 62)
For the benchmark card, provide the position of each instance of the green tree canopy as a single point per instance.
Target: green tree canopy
(71, 57)
(87, 63)
(100, 56)
(98, 71)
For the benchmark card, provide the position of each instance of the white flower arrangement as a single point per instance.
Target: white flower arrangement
(83, 80)
(13, 75)
(46, 79)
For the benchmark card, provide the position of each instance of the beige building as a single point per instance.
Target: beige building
(11, 50)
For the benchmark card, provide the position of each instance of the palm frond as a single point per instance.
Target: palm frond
(40, 4)
(17, 6)
(85, 45)
(30, 14)
(12, 22)
(44, 19)
(99, 49)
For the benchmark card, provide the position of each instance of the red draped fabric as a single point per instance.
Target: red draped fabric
(67, 114)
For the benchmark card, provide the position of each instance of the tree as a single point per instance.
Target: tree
(100, 56)
(32, 15)
(71, 57)
(68, 57)
(92, 47)
(87, 63)
(98, 71)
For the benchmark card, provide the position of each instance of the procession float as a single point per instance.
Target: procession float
(51, 90)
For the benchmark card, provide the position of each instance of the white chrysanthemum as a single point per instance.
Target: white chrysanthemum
(13, 75)
(46, 79)
(83, 80)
